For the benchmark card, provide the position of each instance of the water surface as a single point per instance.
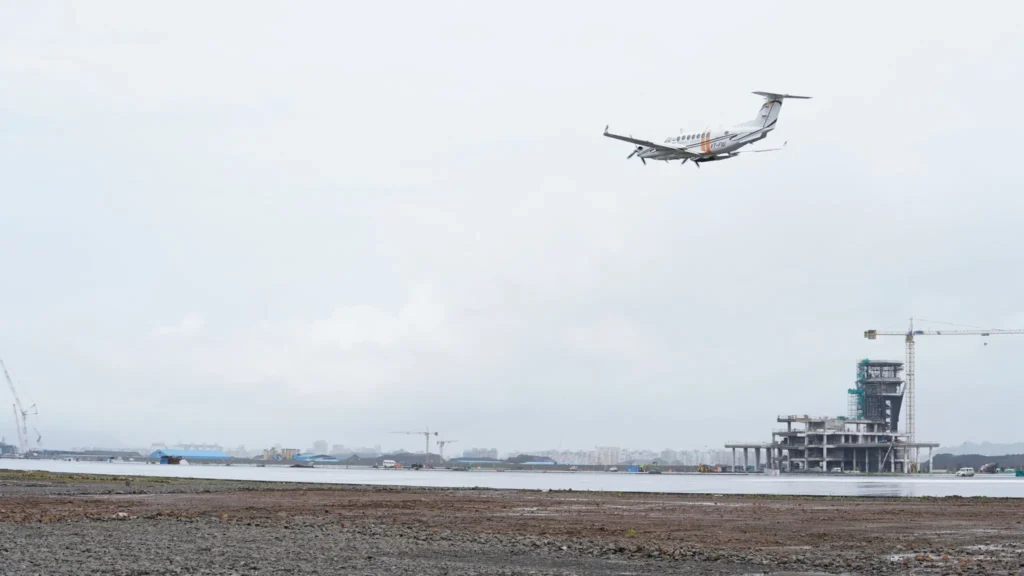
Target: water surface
(997, 486)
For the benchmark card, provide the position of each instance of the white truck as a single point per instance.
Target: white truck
(388, 464)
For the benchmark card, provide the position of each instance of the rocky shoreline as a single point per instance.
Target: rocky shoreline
(61, 524)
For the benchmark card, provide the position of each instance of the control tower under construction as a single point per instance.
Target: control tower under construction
(867, 439)
(878, 395)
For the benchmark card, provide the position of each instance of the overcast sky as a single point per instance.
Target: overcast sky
(275, 223)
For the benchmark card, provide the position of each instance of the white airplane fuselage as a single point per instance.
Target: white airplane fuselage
(712, 145)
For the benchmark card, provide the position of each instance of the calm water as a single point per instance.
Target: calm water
(998, 486)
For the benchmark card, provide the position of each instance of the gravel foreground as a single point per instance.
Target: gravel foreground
(63, 524)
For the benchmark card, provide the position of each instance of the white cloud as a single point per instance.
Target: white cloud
(420, 320)
(190, 324)
(405, 231)
(611, 334)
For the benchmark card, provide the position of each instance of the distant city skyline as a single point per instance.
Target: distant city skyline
(607, 455)
(600, 455)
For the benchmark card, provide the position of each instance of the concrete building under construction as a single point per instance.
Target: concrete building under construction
(867, 439)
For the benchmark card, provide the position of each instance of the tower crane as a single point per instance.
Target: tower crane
(440, 446)
(426, 436)
(909, 335)
(20, 414)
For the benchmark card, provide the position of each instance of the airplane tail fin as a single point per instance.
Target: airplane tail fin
(769, 112)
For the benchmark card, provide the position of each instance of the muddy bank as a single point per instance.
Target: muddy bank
(79, 524)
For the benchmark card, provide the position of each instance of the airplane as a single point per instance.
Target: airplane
(713, 145)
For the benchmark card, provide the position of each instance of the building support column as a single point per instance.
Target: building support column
(746, 459)
(807, 443)
(854, 459)
(757, 459)
(880, 468)
(930, 461)
(734, 459)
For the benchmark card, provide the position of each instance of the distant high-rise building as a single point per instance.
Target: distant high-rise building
(211, 447)
(608, 455)
(361, 451)
(481, 453)
(320, 447)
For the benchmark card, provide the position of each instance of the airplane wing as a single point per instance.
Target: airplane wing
(647, 144)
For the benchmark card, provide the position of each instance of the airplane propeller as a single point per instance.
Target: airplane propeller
(633, 153)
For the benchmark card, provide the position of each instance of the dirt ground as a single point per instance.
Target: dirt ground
(59, 524)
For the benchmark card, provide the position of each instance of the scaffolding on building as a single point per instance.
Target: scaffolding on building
(878, 393)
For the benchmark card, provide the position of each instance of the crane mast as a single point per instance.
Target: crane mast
(17, 427)
(910, 385)
(19, 412)
(426, 436)
(440, 446)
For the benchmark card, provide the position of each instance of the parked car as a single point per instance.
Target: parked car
(966, 472)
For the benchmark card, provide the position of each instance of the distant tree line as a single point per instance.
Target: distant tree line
(976, 461)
